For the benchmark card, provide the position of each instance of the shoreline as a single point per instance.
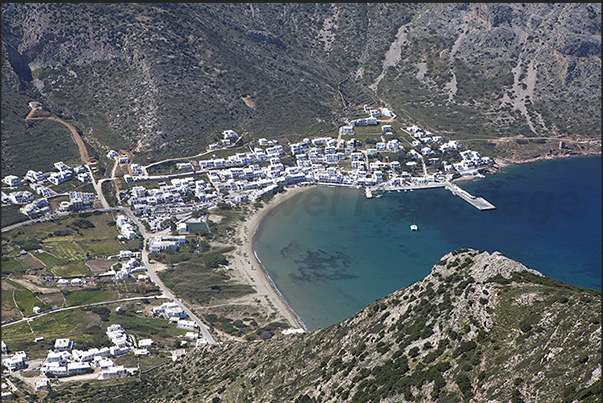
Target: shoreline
(247, 263)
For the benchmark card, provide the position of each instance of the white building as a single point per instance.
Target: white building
(74, 368)
(229, 134)
(61, 166)
(35, 176)
(14, 363)
(175, 312)
(42, 384)
(84, 177)
(187, 324)
(63, 345)
(348, 130)
(118, 371)
(126, 254)
(387, 112)
(178, 353)
(21, 197)
(159, 243)
(12, 181)
(366, 122)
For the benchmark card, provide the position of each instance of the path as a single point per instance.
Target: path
(194, 156)
(30, 318)
(74, 134)
(77, 139)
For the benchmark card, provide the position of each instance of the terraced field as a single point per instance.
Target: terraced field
(9, 309)
(101, 247)
(82, 297)
(68, 251)
(71, 269)
(26, 302)
(12, 266)
(48, 259)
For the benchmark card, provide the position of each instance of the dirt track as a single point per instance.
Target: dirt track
(74, 134)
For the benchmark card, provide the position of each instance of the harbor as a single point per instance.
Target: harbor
(478, 202)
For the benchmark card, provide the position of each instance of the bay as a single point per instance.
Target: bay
(332, 252)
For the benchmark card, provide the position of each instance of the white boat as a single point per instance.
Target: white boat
(368, 192)
(414, 227)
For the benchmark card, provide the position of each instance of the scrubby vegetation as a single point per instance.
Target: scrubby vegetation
(426, 342)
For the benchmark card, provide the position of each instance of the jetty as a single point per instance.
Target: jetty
(478, 202)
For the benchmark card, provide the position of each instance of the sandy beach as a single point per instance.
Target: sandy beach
(245, 262)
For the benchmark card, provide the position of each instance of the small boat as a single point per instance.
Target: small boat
(368, 193)
(414, 227)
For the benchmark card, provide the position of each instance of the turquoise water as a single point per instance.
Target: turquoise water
(331, 251)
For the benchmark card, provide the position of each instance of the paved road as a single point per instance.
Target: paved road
(98, 188)
(155, 278)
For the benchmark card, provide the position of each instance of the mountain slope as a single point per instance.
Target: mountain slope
(166, 79)
(480, 327)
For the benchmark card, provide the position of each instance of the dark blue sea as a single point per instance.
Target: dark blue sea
(332, 252)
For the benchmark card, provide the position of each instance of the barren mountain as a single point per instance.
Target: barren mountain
(168, 78)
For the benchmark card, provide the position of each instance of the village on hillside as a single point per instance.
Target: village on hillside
(371, 161)
(367, 154)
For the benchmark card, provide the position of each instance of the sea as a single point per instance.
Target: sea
(331, 251)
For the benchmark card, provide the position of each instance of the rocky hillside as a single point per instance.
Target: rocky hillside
(480, 327)
(166, 79)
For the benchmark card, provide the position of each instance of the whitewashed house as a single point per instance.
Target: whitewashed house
(118, 371)
(12, 181)
(187, 324)
(63, 345)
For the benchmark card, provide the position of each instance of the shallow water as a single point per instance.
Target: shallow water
(331, 251)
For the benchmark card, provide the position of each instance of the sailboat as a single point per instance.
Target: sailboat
(414, 226)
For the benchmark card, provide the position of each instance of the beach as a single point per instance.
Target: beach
(245, 262)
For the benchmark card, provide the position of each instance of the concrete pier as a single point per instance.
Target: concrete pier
(477, 202)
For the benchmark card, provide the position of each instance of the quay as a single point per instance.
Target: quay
(477, 202)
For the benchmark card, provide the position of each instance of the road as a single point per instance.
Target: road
(30, 318)
(155, 278)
